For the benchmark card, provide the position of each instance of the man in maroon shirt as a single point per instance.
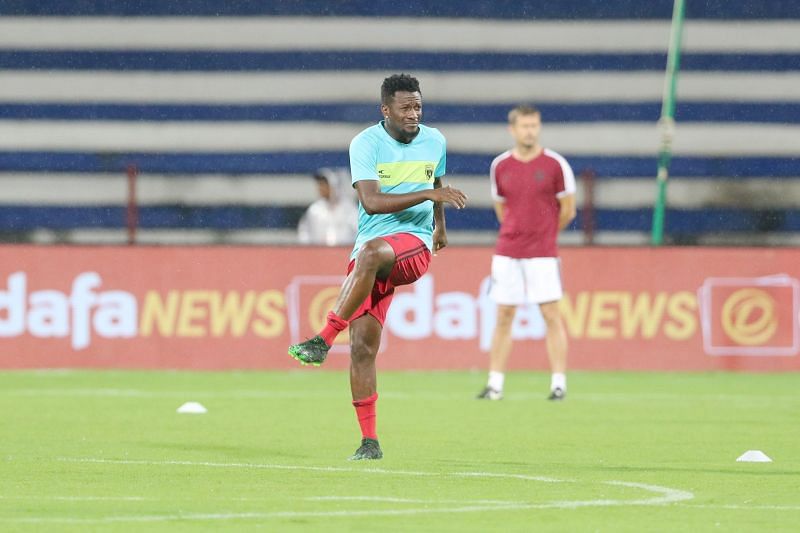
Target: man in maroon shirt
(534, 193)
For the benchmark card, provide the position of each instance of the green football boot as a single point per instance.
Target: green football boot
(310, 352)
(369, 449)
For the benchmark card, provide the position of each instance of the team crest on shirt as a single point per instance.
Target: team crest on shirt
(538, 175)
(429, 171)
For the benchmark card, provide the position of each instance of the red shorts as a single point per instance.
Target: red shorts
(411, 263)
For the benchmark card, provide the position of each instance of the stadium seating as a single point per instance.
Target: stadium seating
(225, 110)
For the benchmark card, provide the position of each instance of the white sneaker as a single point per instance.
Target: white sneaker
(557, 394)
(490, 394)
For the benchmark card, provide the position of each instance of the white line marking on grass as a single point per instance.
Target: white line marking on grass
(389, 499)
(742, 507)
(310, 468)
(255, 466)
(262, 499)
(662, 496)
(138, 393)
(510, 476)
(79, 498)
(667, 495)
(275, 514)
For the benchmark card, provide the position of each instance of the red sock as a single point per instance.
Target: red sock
(333, 326)
(365, 411)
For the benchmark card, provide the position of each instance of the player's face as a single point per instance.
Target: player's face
(403, 114)
(525, 130)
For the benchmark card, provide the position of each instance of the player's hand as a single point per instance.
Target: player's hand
(439, 239)
(449, 195)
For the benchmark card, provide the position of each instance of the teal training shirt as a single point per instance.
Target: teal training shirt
(400, 168)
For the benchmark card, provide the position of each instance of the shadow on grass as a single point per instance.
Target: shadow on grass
(223, 453)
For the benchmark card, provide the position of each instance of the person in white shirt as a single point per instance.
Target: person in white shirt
(332, 220)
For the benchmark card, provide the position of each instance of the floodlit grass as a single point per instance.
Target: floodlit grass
(85, 450)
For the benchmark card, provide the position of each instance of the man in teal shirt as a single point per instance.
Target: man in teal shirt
(396, 167)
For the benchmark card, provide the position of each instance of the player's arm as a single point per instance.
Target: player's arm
(376, 202)
(499, 210)
(566, 198)
(438, 207)
(496, 192)
(567, 211)
(439, 227)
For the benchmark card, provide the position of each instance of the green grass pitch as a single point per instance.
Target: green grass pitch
(106, 451)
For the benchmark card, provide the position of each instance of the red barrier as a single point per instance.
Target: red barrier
(216, 308)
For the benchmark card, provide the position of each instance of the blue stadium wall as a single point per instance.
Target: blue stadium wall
(493, 9)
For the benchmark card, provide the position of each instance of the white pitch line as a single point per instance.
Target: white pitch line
(663, 495)
(256, 466)
(389, 499)
(79, 498)
(276, 514)
(137, 393)
(667, 495)
(509, 476)
(267, 466)
(386, 499)
(742, 507)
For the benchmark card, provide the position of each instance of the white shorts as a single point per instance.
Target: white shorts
(521, 281)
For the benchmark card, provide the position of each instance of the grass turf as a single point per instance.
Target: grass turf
(85, 450)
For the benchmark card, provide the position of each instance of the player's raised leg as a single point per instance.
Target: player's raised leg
(365, 338)
(499, 352)
(556, 341)
(374, 260)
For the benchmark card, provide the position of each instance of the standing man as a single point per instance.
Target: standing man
(397, 167)
(534, 198)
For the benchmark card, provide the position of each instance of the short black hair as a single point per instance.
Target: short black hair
(398, 82)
